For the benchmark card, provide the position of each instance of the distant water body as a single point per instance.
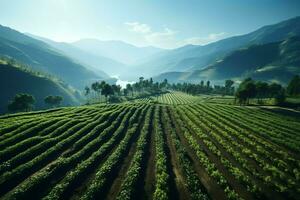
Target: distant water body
(122, 83)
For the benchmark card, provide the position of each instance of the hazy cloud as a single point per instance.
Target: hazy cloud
(138, 27)
(167, 38)
(205, 40)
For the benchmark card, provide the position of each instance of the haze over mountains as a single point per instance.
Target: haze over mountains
(270, 53)
(193, 57)
(130, 62)
(117, 50)
(42, 57)
(277, 61)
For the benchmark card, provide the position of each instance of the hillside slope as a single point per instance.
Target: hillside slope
(195, 57)
(94, 62)
(14, 79)
(277, 61)
(42, 57)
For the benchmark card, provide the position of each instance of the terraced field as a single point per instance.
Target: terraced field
(176, 148)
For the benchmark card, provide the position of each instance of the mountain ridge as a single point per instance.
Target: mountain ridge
(276, 61)
(42, 57)
(201, 56)
(37, 85)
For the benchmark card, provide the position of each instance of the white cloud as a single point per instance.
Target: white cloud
(167, 37)
(138, 27)
(213, 37)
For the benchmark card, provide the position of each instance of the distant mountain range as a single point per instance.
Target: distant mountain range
(224, 59)
(111, 57)
(15, 79)
(117, 50)
(277, 61)
(270, 53)
(96, 63)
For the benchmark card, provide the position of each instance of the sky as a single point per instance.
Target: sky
(160, 23)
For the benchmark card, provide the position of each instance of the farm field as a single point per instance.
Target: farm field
(174, 146)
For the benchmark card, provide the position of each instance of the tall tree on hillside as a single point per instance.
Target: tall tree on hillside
(293, 87)
(21, 102)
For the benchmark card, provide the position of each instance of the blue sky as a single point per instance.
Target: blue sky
(161, 23)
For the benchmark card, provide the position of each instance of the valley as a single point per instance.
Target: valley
(150, 100)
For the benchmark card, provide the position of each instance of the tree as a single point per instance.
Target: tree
(141, 79)
(202, 83)
(293, 87)
(87, 91)
(246, 90)
(125, 91)
(228, 86)
(53, 101)
(229, 83)
(280, 97)
(129, 88)
(107, 90)
(242, 96)
(207, 84)
(95, 87)
(21, 102)
(274, 89)
(262, 90)
(116, 89)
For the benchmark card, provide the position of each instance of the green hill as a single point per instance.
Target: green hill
(277, 61)
(196, 57)
(16, 79)
(42, 57)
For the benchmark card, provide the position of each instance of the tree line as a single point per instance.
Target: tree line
(97, 90)
(204, 88)
(23, 102)
(247, 89)
(250, 89)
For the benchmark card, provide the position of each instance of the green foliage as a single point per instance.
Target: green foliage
(22, 80)
(21, 102)
(42, 57)
(293, 87)
(92, 152)
(250, 89)
(53, 101)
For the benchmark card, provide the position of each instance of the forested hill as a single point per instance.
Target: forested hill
(196, 57)
(278, 61)
(15, 79)
(42, 57)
